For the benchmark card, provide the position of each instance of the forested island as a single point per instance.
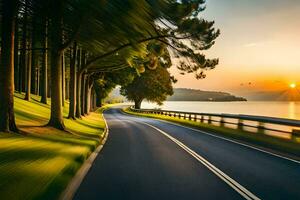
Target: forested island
(184, 94)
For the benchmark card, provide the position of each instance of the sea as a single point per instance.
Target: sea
(281, 109)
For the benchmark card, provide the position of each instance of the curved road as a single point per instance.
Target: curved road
(150, 159)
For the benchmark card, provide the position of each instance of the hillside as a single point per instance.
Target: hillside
(184, 94)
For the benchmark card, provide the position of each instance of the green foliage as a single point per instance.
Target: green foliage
(153, 85)
(117, 32)
(106, 82)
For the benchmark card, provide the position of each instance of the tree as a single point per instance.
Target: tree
(111, 36)
(105, 28)
(175, 23)
(102, 88)
(155, 82)
(7, 118)
(104, 83)
(56, 35)
(73, 75)
(153, 85)
(44, 68)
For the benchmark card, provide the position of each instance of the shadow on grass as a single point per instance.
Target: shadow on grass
(90, 136)
(87, 124)
(74, 140)
(31, 154)
(30, 116)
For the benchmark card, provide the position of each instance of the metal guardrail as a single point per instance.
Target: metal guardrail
(278, 127)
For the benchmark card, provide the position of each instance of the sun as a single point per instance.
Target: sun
(293, 85)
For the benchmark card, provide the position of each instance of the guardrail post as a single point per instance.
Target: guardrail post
(222, 122)
(261, 128)
(240, 124)
(202, 119)
(209, 120)
(195, 117)
(295, 135)
(190, 117)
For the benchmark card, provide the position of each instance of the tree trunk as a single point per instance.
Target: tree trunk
(28, 77)
(34, 58)
(89, 98)
(7, 118)
(78, 95)
(23, 70)
(63, 83)
(78, 86)
(16, 57)
(83, 83)
(94, 101)
(72, 94)
(98, 101)
(34, 65)
(86, 95)
(38, 80)
(138, 103)
(67, 89)
(83, 86)
(44, 74)
(56, 117)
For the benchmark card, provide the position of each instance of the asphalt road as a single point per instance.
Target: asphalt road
(151, 159)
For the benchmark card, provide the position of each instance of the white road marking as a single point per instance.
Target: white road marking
(229, 140)
(231, 182)
(236, 142)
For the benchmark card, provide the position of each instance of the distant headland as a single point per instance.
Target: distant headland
(185, 94)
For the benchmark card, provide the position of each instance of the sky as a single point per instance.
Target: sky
(259, 48)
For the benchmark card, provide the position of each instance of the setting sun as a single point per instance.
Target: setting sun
(293, 85)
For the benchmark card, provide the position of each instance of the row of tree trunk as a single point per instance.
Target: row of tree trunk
(25, 57)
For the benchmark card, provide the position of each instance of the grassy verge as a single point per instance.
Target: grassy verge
(39, 163)
(282, 145)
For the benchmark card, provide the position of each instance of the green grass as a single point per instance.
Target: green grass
(39, 163)
(278, 144)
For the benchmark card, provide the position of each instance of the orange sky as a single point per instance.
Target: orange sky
(259, 47)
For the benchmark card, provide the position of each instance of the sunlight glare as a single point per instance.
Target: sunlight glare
(293, 85)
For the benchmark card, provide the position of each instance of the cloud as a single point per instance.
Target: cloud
(252, 45)
(259, 44)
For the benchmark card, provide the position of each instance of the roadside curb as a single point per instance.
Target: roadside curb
(74, 184)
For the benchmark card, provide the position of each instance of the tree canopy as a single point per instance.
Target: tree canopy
(153, 85)
(60, 48)
(155, 82)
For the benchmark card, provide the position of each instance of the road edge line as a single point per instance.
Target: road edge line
(227, 179)
(220, 137)
(236, 142)
(76, 181)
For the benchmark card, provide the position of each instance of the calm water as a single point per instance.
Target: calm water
(274, 109)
